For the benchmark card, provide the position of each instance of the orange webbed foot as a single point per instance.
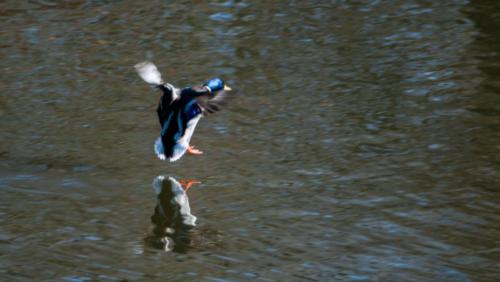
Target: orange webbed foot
(192, 151)
(186, 184)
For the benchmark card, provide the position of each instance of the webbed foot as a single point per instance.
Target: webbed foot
(192, 151)
(186, 184)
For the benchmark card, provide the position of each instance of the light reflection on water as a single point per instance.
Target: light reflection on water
(363, 145)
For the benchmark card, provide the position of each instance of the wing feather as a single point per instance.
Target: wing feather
(212, 103)
(149, 73)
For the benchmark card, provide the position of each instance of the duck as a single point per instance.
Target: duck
(179, 110)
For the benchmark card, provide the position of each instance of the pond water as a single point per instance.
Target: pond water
(363, 144)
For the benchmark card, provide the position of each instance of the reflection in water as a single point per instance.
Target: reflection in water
(365, 148)
(172, 220)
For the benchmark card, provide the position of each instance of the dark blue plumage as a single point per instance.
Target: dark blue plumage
(180, 110)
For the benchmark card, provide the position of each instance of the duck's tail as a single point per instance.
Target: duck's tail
(159, 150)
(149, 73)
(177, 152)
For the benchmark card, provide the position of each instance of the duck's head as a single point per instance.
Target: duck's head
(217, 84)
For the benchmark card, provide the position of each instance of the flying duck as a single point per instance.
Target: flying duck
(179, 111)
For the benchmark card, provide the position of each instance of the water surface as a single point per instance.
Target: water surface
(364, 145)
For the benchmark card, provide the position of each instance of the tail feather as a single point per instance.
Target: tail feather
(159, 150)
(179, 150)
(158, 184)
(149, 73)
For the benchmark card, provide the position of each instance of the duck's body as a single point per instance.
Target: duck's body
(178, 116)
(179, 111)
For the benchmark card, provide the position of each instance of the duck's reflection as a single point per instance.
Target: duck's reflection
(172, 220)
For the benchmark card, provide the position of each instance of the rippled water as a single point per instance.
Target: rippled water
(364, 144)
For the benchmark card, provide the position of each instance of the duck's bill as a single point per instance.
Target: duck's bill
(227, 88)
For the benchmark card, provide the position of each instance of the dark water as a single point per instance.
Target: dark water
(364, 145)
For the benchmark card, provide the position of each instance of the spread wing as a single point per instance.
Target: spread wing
(214, 102)
(149, 73)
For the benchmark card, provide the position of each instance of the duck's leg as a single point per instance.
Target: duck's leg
(186, 184)
(191, 150)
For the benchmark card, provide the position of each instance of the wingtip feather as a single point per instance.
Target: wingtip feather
(149, 73)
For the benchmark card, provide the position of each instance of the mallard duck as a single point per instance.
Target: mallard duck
(179, 111)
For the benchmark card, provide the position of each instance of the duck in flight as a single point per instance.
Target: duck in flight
(179, 111)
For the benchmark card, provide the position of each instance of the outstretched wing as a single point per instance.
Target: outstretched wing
(213, 102)
(149, 73)
(166, 104)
